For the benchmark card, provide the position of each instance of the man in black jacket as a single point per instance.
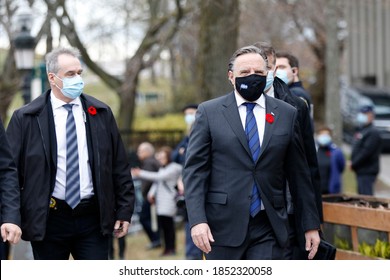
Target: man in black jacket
(366, 151)
(76, 188)
(278, 89)
(10, 200)
(145, 153)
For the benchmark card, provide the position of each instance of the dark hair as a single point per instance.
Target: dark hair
(246, 50)
(292, 60)
(267, 49)
(167, 151)
(190, 106)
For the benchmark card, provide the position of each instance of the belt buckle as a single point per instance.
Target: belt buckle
(53, 203)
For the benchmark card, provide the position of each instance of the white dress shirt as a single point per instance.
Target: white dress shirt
(259, 112)
(60, 115)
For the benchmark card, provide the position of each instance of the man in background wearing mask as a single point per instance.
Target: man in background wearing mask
(288, 71)
(76, 188)
(276, 88)
(178, 155)
(331, 162)
(366, 151)
(242, 148)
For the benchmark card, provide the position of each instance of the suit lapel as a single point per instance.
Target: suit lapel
(232, 116)
(47, 131)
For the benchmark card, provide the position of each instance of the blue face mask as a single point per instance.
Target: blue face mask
(270, 80)
(72, 87)
(282, 74)
(362, 119)
(324, 140)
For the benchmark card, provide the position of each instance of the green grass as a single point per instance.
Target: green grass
(136, 244)
(349, 182)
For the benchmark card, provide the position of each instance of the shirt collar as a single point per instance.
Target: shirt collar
(240, 101)
(57, 103)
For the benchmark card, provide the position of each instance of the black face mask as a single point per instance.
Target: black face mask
(251, 87)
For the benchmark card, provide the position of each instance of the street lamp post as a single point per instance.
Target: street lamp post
(24, 51)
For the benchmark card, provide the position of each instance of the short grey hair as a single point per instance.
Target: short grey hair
(52, 58)
(246, 50)
(147, 147)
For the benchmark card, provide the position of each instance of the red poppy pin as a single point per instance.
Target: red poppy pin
(92, 110)
(269, 118)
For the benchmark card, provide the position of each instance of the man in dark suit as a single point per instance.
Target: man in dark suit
(10, 200)
(76, 188)
(278, 89)
(235, 192)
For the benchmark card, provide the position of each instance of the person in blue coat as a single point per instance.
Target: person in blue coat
(331, 162)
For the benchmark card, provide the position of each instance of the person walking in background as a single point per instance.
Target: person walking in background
(148, 162)
(163, 193)
(74, 178)
(276, 88)
(288, 71)
(10, 197)
(366, 151)
(242, 149)
(178, 155)
(331, 162)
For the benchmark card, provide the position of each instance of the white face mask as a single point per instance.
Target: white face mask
(362, 119)
(270, 80)
(282, 74)
(324, 140)
(189, 119)
(71, 87)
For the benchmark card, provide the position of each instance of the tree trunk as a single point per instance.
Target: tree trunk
(218, 41)
(332, 95)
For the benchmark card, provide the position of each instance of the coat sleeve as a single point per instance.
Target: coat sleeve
(123, 183)
(302, 191)
(197, 168)
(9, 187)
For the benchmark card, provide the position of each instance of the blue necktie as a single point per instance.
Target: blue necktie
(252, 137)
(72, 193)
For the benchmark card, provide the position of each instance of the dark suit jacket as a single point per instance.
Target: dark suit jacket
(33, 141)
(305, 124)
(219, 171)
(9, 188)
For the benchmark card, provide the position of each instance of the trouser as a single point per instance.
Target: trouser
(121, 247)
(365, 184)
(260, 243)
(146, 222)
(73, 232)
(167, 227)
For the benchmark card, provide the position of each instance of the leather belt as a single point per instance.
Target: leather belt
(85, 207)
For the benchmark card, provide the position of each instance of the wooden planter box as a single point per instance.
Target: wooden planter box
(357, 212)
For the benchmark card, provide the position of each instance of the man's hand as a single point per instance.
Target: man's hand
(121, 228)
(312, 242)
(201, 235)
(11, 232)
